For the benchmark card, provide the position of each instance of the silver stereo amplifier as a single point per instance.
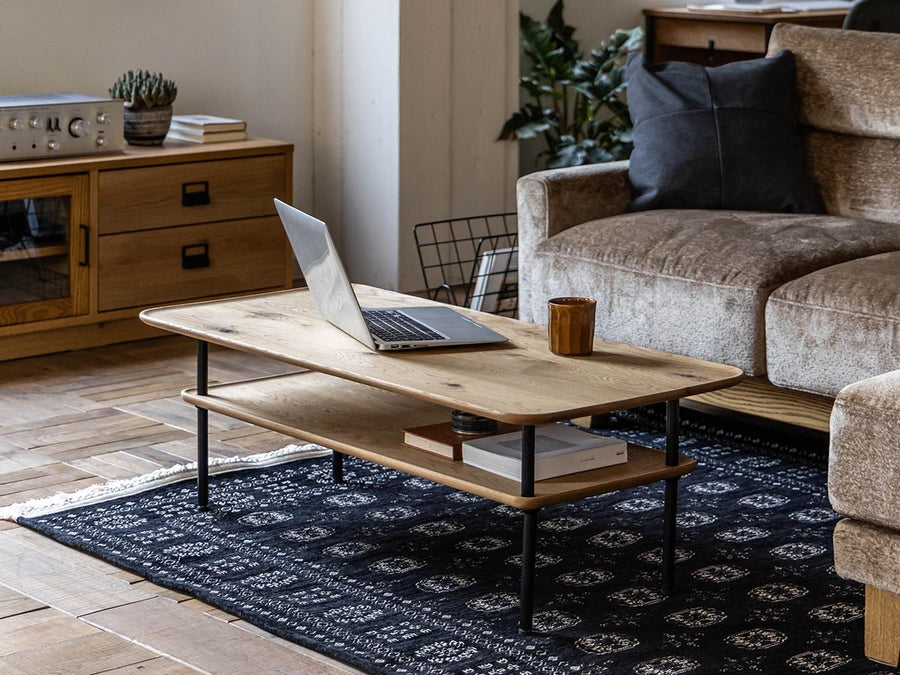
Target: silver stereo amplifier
(59, 125)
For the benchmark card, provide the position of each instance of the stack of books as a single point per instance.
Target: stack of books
(559, 450)
(206, 129)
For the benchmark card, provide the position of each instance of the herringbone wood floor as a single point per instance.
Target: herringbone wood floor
(73, 419)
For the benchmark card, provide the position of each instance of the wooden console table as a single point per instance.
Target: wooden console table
(87, 242)
(715, 38)
(358, 401)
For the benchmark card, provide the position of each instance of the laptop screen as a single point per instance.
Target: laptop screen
(324, 274)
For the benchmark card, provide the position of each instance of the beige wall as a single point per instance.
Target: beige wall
(250, 59)
(408, 135)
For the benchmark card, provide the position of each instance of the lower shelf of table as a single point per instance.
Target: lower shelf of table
(368, 423)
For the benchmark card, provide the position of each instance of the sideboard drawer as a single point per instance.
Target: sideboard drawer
(194, 192)
(194, 261)
(719, 35)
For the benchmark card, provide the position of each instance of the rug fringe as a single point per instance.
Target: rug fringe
(123, 487)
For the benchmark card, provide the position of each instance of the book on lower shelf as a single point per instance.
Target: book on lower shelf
(558, 450)
(440, 439)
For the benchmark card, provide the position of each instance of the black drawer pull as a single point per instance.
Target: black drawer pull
(85, 246)
(195, 256)
(711, 51)
(195, 194)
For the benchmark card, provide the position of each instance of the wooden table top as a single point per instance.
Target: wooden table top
(520, 382)
(737, 16)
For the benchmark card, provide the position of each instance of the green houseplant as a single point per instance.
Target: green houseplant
(576, 105)
(148, 105)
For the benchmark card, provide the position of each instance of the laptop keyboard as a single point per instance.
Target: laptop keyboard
(389, 325)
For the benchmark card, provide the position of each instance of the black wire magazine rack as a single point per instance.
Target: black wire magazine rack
(471, 262)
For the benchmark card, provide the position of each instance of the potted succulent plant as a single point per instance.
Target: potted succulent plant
(148, 105)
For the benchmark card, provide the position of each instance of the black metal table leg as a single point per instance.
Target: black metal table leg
(528, 460)
(202, 426)
(529, 531)
(526, 601)
(337, 466)
(671, 500)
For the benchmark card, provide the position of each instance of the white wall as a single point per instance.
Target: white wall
(409, 135)
(458, 72)
(356, 126)
(237, 58)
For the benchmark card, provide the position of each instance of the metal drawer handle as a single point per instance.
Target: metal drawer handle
(195, 194)
(195, 256)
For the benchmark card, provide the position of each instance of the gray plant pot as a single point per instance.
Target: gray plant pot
(147, 126)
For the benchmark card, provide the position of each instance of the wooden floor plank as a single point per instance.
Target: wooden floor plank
(63, 584)
(39, 493)
(214, 612)
(86, 431)
(214, 646)
(38, 477)
(12, 602)
(158, 666)
(43, 627)
(17, 459)
(125, 441)
(98, 467)
(176, 413)
(98, 652)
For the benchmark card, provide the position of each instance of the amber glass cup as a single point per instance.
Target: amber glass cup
(571, 326)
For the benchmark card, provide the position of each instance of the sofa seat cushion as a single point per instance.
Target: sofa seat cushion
(864, 457)
(868, 554)
(692, 282)
(835, 326)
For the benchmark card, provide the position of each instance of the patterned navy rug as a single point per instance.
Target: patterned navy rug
(394, 574)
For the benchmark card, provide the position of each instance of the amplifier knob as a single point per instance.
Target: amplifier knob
(36, 123)
(17, 124)
(53, 145)
(77, 127)
(103, 118)
(101, 141)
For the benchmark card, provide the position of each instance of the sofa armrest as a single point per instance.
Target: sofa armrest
(864, 458)
(552, 201)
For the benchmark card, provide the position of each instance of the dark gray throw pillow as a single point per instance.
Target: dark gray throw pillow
(717, 138)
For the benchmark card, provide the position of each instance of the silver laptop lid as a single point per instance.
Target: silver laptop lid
(324, 274)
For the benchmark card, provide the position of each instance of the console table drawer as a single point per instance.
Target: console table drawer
(719, 36)
(179, 263)
(195, 192)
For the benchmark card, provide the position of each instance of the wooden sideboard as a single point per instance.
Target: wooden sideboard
(715, 38)
(86, 243)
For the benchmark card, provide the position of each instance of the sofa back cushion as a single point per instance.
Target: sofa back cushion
(848, 93)
(847, 81)
(857, 177)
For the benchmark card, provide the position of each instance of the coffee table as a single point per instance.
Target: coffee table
(358, 402)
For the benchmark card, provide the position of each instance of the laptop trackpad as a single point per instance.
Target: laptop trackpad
(452, 324)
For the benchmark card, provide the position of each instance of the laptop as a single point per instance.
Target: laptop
(381, 329)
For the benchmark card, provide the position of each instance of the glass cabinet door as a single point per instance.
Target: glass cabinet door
(44, 249)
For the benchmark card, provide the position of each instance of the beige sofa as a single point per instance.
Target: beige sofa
(811, 302)
(864, 486)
